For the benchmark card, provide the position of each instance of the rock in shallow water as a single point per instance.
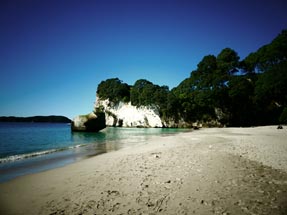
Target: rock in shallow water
(90, 123)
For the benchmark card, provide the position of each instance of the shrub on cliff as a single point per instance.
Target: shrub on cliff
(145, 93)
(114, 90)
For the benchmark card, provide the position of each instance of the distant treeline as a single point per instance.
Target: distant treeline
(51, 119)
(249, 92)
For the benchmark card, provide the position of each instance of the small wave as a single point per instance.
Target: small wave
(36, 154)
(77, 146)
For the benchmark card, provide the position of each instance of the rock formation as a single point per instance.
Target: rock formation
(92, 122)
(124, 114)
(127, 115)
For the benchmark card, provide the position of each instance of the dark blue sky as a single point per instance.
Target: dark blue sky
(54, 53)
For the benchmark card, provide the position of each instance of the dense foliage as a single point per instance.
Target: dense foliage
(238, 93)
(114, 90)
(146, 93)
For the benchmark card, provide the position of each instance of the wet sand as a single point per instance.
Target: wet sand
(210, 171)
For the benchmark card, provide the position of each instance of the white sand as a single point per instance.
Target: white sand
(210, 171)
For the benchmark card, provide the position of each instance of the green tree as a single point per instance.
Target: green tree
(241, 89)
(203, 77)
(114, 90)
(268, 55)
(271, 93)
(272, 85)
(269, 65)
(173, 108)
(228, 61)
(140, 92)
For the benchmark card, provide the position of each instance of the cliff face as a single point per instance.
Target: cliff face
(123, 114)
(126, 115)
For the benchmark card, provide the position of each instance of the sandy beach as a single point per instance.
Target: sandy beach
(208, 171)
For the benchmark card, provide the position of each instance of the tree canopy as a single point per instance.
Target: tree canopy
(114, 90)
(268, 55)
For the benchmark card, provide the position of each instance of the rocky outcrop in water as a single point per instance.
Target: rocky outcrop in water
(92, 122)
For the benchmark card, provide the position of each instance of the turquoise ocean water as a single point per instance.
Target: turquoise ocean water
(33, 147)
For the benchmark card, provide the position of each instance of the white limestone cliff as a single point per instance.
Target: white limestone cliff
(128, 115)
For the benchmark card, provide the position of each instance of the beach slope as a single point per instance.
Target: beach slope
(210, 171)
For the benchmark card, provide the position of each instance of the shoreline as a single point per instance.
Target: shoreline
(208, 171)
(17, 165)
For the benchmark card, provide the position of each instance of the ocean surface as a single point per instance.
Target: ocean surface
(27, 148)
